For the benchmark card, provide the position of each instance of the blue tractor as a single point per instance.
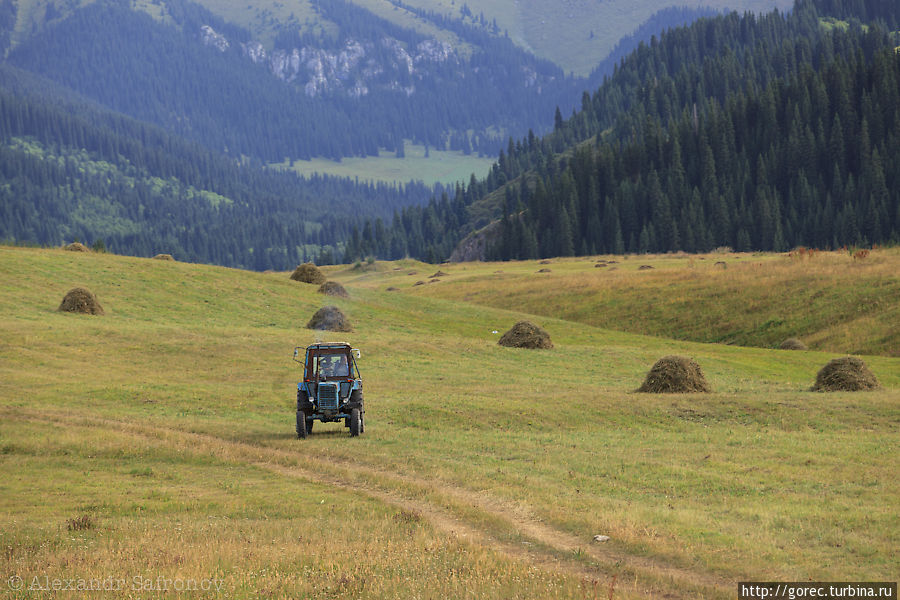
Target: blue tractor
(331, 389)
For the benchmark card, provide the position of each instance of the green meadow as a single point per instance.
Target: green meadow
(156, 442)
(439, 166)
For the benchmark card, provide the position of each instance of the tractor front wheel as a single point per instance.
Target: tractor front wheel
(301, 425)
(354, 422)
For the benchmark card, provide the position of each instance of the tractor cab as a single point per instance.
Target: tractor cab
(331, 388)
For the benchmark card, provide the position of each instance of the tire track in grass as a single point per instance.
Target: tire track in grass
(472, 516)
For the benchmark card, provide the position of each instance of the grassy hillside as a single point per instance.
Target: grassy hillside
(159, 441)
(563, 33)
(831, 301)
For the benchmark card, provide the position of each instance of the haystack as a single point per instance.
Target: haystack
(847, 374)
(439, 274)
(329, 318)
(333, 288)
(308, 273)
(675, 374)
(164, 257)
(793, 344)
(76, 247)
(80, 300)
(544, 271)
(645, 267)
(526, 335)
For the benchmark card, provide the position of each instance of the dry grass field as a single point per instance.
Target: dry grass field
(154, 444)
(832, 301)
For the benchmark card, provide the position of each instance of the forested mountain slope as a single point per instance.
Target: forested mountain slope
(756, 133)
(72, 170)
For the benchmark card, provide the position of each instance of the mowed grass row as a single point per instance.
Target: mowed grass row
(829, 300)
(760, 479)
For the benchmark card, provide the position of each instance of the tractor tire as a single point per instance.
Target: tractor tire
(303, 402)
(301, 425)
(356, 398)
(354, 422)
(309, 425)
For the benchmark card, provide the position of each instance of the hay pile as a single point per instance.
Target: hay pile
(164, 257)
(308, 273)
(80, 300)
(544, 271)
(76, 247)
(526, 335)
(333, 288)
(329, 318)
(847, 374)
(675, 374)
(793, 344)
(439, 274)
(645, 267)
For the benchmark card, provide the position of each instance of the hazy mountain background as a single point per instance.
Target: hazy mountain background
(295, 81)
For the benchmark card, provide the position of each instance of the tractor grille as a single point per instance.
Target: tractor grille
(328, 396)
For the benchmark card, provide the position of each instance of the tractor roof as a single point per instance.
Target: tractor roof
(330, 345)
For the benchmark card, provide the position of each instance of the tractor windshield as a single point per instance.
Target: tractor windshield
(328, 365)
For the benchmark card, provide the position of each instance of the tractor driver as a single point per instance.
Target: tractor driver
(335, 366)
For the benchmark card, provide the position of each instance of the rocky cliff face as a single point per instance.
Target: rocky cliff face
(351, 70)
(210, 37)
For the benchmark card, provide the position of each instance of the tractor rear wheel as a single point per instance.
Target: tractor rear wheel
(301, 425)
(354, 422)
